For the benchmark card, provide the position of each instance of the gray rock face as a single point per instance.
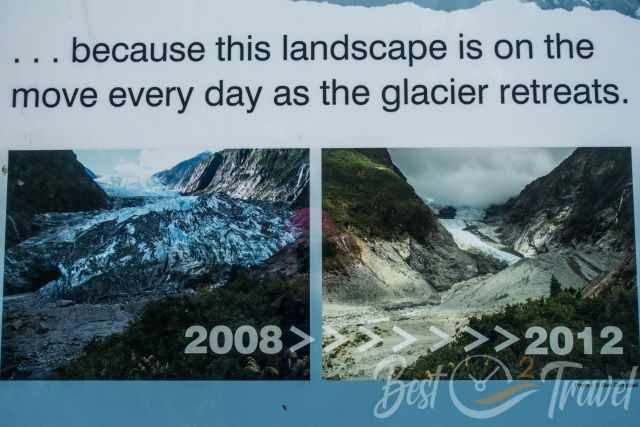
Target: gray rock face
(268, 175)
(586, 200)
(178, 177)
(391, 270)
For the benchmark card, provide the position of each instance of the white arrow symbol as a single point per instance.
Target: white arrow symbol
(480, 339)
(408, 339)
(378, 320)
(508, 335)
(340, 339)
(374, 339)
(306, 339)
(446, 339)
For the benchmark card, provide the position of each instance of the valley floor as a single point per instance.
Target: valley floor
(40, 336)
(348, 362)
(522, 279)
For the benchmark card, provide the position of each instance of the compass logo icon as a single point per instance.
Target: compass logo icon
(487, 403)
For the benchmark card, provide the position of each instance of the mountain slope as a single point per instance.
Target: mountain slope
(47, 181)
(178, 176)
(381, 241)
(586, 200)
(575, 225)
(277, 175)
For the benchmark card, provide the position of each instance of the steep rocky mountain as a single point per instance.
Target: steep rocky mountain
(47, 181)
(251, 174)
(575, 226)
(587, 200)
(178, 177)
(381, 241)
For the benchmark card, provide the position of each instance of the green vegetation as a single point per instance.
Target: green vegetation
(616, 307)
(556, 287)
(363, 192)
(152, 347)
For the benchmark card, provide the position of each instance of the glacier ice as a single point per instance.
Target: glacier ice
(164, 244)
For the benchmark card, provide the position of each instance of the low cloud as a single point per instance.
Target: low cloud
(475, 177)
(153, 161)
(133, 165)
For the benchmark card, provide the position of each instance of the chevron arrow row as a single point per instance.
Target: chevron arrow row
(480, 339)
(445, 339)
(340, 339)
(511, 339)
(306, 339)
(408, 339)
(373, 340)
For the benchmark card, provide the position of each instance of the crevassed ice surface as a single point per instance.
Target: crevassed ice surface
(163, 243)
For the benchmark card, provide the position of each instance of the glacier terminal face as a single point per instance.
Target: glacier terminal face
(165, 244)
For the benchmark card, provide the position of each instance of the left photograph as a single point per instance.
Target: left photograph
(157, 264)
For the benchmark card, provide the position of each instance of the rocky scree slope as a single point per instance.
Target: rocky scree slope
(582, 213)
(381, 241)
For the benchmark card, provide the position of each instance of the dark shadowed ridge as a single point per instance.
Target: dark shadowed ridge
(47, 181)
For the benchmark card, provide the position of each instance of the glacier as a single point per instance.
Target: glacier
(471, 233)
(163, 243)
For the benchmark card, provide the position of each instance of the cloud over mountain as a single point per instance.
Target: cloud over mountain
(474, 177)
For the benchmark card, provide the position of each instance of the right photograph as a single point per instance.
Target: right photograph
(448, 259)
